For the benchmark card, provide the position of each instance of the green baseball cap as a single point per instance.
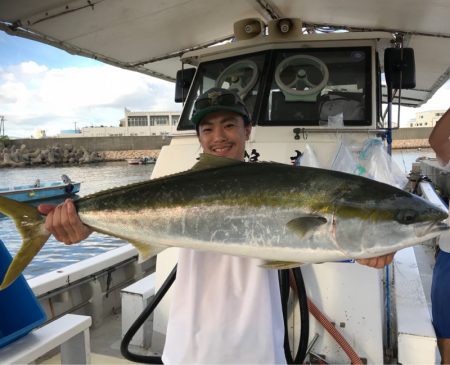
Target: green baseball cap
(216, 100)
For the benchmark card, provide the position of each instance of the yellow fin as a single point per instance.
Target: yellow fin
(280, 265)
(305, 226)
(30, 224)
(147, 251)
(208, 161)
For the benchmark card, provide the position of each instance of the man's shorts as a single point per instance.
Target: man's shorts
(440, 295)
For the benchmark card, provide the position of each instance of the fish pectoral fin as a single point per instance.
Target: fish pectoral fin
(305, 226)
(30, 224)
(280, 265)
(208, 161)
(147, 251)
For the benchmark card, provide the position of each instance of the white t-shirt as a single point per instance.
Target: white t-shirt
(225, 310)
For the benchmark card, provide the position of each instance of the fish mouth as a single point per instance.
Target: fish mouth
(431, 229)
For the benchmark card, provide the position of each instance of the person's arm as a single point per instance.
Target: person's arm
(439, 138)
(63, 222)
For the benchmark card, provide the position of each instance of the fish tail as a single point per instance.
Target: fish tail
(30, 224)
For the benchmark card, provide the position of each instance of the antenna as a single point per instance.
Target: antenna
(2, 125)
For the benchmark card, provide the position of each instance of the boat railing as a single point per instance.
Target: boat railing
(92, 285)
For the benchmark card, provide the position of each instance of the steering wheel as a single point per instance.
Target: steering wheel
(302, 88)
(240, 76)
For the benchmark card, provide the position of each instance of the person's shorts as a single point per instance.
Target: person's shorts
(440, 295)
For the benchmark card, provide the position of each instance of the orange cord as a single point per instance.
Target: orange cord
(355, 359)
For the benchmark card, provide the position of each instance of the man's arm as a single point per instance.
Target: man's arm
(439, 138)
(64, 223)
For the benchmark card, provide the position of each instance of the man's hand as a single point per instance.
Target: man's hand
(63, 222)
(377, 262)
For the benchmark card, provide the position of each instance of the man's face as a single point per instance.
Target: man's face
(224, 134)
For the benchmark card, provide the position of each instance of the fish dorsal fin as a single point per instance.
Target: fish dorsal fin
(208, 161)
(305, 226)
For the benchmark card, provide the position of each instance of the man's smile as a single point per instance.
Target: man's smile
(222, 148)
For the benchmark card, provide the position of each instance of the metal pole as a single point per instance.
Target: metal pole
(2, 125)
(389, 119)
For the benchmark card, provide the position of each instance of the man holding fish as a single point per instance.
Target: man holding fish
(225, 308)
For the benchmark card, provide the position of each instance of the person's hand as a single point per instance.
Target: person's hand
(63, 222)
(377, 262)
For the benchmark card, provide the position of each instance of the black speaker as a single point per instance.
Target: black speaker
(399, 68)
(183, 83)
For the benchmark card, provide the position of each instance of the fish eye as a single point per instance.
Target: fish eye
(406, 216)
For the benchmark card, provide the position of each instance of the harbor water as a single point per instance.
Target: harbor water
(93, 178)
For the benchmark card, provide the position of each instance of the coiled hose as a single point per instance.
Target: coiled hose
(293, 278)
(323, 320)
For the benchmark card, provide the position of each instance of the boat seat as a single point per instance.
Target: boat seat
(70, 332)
(135, 298)
(303, 112)
(350, 104)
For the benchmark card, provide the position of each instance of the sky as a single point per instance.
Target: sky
(44, 88)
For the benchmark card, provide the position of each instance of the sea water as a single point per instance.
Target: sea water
(93, 178)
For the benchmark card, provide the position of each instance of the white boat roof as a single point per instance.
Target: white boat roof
(150, 36)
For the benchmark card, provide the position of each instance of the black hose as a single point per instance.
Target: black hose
(299, 289)
(140, 321)
(283, 276)
(304, 316)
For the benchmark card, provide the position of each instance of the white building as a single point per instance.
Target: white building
(39, 133)
(426, 119)
(134, 124)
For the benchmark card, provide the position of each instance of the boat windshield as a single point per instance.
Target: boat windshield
(324, 87)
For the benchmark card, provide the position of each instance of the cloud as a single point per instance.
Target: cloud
(34, 96)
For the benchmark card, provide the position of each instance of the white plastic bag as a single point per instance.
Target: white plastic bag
(344, 160)
(309, 157)
(379, 165)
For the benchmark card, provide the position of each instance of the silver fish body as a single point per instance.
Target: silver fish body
(270, 211)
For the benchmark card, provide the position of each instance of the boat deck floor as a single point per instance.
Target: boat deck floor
(105, 344)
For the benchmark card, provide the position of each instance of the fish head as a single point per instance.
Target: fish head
(377, 227)
(425, 219)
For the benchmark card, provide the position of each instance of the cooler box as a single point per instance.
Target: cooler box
(20, 311)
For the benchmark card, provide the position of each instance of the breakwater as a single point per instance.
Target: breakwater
(76, 151)
(403, 144)
(123, 155)
(404, 138)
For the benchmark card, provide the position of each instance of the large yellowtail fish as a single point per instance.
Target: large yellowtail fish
(282, 214)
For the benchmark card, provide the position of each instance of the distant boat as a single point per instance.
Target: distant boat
(141, 161)
(41, 190)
